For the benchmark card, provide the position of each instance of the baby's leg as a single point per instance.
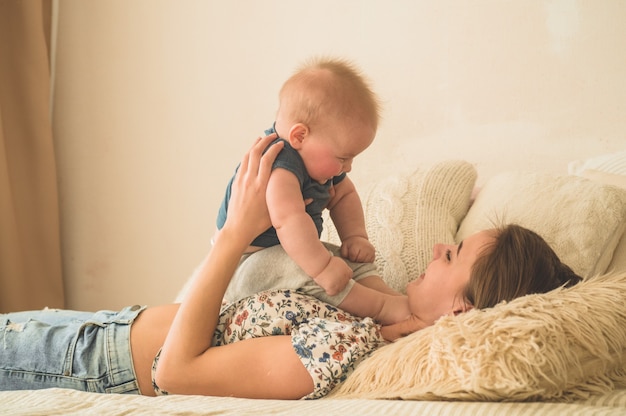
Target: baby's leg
(270, 268)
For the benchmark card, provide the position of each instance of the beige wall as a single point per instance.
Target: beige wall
(155, 101)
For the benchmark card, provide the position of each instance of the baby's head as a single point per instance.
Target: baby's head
(329, 114)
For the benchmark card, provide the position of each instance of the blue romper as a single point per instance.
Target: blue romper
(289, 159)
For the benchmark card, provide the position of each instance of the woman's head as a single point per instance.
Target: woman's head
(519, 262)
(486, 268)
(440, 289)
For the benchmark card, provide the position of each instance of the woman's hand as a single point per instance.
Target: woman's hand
(247, 208)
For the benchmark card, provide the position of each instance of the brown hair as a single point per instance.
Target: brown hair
(324, 88)
(519, 262)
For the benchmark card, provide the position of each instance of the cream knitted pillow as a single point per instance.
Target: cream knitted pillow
(560, 345)
(406, 214)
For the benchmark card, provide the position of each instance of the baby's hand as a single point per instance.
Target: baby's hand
(403, 328)
(335, 276)
(358, 249)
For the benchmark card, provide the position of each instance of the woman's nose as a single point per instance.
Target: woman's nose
(437, 250)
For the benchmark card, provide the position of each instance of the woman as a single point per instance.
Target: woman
(312, 345)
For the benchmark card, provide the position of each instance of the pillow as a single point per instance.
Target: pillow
(604, 177)
(561, 345)
(406, 214)
(614, 163)
(618, 262)
(581, 220)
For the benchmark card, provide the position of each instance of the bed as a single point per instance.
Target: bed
(558, 353)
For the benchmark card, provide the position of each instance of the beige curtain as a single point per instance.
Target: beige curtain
(30, 257)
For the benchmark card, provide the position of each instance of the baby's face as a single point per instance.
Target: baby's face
(329, 152)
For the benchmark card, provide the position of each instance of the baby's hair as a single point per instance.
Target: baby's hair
(328, 87)
(519, 262)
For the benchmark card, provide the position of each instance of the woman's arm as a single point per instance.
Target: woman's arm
(261, 367)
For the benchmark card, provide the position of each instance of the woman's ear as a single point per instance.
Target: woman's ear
(297, 133)
(461, 308)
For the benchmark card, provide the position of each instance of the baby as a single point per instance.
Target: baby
(327, 115)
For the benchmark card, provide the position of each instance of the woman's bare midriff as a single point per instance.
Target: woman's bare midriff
(147, 335)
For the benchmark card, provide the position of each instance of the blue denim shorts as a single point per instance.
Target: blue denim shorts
(88, 351)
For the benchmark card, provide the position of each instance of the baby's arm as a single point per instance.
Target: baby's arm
(377, 283)
(346, 212)
(298, 235)
(385, 308)
(403, 328)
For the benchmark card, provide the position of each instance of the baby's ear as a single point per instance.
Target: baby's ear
(297, 134)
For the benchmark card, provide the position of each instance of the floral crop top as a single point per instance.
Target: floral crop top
(329, 341)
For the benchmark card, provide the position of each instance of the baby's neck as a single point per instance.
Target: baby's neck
(281, 128)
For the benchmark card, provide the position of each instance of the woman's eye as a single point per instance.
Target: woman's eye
(448, 255)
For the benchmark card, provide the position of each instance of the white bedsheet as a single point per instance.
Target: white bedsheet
(66, 402)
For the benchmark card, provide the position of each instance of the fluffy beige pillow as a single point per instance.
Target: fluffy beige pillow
(406, 214)
(561, 345)
(582, 220)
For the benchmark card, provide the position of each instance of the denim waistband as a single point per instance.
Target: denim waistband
(123, 378)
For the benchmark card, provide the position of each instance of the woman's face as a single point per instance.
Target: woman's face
(439, 291)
